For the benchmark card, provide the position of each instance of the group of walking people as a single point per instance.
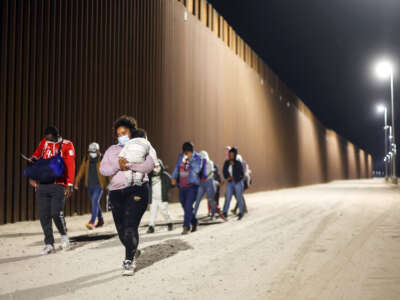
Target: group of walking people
(134, 176)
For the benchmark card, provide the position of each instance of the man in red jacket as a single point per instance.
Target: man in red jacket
(52, 196)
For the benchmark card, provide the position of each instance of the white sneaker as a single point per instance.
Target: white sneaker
(47, 250)
(129, 268)
(65, 242)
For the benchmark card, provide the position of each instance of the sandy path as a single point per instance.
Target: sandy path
(334, 241)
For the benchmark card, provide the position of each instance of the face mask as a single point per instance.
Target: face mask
(122, 140)
(157, 170)
(93, 155)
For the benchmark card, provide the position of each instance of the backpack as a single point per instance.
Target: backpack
(46, 171)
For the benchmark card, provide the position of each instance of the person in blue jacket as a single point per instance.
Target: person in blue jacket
(187, 176)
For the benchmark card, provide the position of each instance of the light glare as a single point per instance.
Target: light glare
(381, 108)
(384, 69)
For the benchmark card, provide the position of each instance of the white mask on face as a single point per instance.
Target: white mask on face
(157, 169)
(93, 155)
(122, 140)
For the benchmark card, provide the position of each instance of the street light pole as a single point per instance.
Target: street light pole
(385, 69)
(386, 146)
(394, 175)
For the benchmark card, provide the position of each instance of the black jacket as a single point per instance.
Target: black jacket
(237, 170)
(165, 184)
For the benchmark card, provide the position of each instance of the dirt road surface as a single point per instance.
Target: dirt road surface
(332, 241)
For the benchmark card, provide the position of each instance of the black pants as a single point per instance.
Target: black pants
(128, 207)
(51, 206)
(216, 197)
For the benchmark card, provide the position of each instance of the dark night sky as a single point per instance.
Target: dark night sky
(325, 52)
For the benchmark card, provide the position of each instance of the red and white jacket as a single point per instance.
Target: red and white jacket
(47, 149)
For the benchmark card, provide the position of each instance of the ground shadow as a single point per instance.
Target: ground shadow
(84, 239)
(92, 238)
(62, 288)
(15, 259)
(201, 218)
(143, 239)
(155, 253)
(16, 235)
(150, 255)
(210, 223)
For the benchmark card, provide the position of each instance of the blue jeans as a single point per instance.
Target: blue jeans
(234, 188)
(187, 196)
(205, 187)
(95, 195)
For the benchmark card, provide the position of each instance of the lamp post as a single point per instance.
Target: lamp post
(384, 69)
(382, 108)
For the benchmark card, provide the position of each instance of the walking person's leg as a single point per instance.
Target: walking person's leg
(200, 194)
(216, 197)
(239, 194)
(191, 198)
(57, 212)
(234, 210)
(154, 206)
(229, 193)
(117, 203)
(244, 204)
(92, 196)
(182, 200)
(210, 196)
(44, 201)
(136, 205)
(99, 194)
(163, 207)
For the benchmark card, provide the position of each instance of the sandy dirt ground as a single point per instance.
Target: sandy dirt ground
(333, 241)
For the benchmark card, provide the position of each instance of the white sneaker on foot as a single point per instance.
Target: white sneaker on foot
(65, 242)
(129, 268)
(47, 250)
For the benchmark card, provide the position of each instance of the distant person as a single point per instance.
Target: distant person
(187, 176)
(128, 202)
(160, 186)
(206, 186)
(94, 182)
(246, 183)
(217, 181)
(234, 174)
(135, 151)
(52, 195)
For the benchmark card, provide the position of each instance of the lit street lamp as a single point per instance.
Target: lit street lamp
(383, 109)
(384, 70)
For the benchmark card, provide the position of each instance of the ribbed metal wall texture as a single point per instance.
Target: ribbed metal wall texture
(80, 64)
(221, 93)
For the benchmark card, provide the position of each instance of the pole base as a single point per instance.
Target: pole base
(394, 180)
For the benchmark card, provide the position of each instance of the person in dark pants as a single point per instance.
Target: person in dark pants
(94, 182)
(128, 206)
(187, 175)
(217, 183)
(52, 195)
(128, 203)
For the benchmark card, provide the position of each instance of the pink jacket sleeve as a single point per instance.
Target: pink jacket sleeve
(109, 165)
(145, 167)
